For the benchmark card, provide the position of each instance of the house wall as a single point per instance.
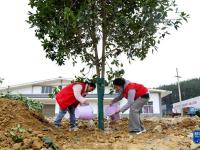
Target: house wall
(192, 102)
(154, 97)
(37, 89)
(49, 110)
(24, 90)
(27, 90)
(106, 91)
(94, 104)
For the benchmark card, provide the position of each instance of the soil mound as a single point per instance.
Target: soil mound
(21, 128)
(14, 112)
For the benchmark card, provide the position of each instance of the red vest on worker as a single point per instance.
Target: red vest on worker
(139, 89)
(66, 96)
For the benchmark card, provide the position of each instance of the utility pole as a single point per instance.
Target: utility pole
(179, 91)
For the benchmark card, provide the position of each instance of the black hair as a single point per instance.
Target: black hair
(119, 82)
(91, 84)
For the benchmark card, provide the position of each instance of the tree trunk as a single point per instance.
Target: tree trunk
(101, 81)
(95, 42)
(100, 92)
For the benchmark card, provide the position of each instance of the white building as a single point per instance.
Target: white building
(192, 102)
(39, 90)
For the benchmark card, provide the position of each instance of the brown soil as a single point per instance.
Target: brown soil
(162, 133)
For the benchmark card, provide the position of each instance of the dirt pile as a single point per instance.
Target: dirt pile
(17, 123)
(14, 112)
(31, 128)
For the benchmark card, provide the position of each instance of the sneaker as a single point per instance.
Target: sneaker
(57, 126)
(137, 132)
(73, 129)
(140, 132)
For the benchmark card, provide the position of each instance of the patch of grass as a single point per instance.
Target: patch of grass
(16, 133)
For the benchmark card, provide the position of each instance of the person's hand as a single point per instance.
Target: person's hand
(85, 103)
(118, 111)
(84, 95)
(111, 103)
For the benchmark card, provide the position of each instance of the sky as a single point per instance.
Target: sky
(22, 58)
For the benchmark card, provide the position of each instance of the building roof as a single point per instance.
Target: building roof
(40, 82)
(162, 93)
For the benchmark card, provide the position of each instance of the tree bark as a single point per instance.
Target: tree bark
(95, 42)
(104, 22)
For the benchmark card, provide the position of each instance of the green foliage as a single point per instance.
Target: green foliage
(49, 143)
(17, 133)
(73, 29)
(82, 78)
(31, 104)
(34, 105)
(189, 89)
(54, 92)
(1, 80)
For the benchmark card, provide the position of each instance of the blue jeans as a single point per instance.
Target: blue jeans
(61, 114)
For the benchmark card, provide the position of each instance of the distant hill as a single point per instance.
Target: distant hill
(189, 89)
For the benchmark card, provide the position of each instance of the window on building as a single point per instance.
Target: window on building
(46, 89)
(148, 108)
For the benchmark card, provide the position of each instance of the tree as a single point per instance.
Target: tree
(189, 89)
(1, 80)
(73, 29)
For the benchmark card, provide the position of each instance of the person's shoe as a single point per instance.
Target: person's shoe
(140, 132)
(57, 126)
(73, 129)
(137, 132)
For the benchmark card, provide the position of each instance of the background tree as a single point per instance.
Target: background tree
(1, 81)
(189, 89)
(73, 29)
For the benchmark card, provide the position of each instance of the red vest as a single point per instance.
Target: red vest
(66, 96)
(139, 89)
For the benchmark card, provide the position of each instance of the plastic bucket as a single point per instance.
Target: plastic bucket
(110, 110)
(84, 112)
